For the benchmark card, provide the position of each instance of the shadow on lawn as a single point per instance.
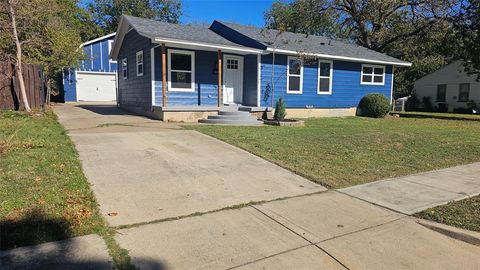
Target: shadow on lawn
(33, 228)
(19, 250)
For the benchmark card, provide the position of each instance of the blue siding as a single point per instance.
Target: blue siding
(87, 50)
(105, 61)
(346, 87)
(250, 80)
(96, 57)
(206, 83)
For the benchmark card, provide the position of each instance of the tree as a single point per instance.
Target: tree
(107, 13)
(18, 54)
(467, 24)
(304, 16)
(418, 31)
(47, 33)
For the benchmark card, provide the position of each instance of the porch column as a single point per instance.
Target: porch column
(220, 68)
(164, 76)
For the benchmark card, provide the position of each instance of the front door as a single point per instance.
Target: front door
(232, 79)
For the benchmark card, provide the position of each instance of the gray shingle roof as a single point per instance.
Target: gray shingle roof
(309, 43)
(153, 29)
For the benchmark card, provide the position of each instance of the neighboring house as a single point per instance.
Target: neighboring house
(95, 77)
(449, 88)
(183, 73)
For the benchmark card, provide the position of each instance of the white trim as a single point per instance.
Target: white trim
(76, 77)
(139, 53)
(372, 74)
(338, 57)
(97, 39)
(124, 68)
(294, 75)
(169, 62)
(240, 59)
(206, 45)
(391, 87)
(325, 77)
(152, 73)
(95, 72)
(259, 79)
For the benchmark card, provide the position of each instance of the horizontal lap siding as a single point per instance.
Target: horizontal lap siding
(250, 80)
(135, 93)
(206, 82)
(346, 88)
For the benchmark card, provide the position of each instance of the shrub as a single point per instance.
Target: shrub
(280, 110)
(427, 104)
(413, 103)
(374, 105)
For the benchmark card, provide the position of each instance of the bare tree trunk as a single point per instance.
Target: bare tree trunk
(18, 66)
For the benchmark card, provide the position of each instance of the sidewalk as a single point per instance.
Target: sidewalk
(414, 193)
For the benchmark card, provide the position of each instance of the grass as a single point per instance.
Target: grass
(44, 195)
(341, 152)
(452, 116)
(464, 214)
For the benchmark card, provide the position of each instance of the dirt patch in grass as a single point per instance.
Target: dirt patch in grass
(341, 152)
(463, 214)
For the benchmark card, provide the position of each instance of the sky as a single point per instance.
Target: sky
(248, 12)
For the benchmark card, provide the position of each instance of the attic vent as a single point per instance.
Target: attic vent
(322, 43)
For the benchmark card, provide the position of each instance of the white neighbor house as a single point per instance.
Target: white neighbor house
(449, 87)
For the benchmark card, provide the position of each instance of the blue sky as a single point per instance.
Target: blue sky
(249, 12)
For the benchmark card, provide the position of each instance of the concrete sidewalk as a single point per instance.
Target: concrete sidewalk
(414, 193)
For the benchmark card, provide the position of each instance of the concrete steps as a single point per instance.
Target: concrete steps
(232, 117)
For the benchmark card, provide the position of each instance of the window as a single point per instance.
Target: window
(232, 64)
(110, 43)
(124, 68)
(373, 74)
(325, 73)
(441, 92)
(294, 75)
(181, 66)
(140, 63)
(463, 92)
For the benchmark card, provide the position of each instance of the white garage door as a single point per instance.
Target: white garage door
(95, 87)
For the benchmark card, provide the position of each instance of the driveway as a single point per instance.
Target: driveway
(143, 170)
(185, 198)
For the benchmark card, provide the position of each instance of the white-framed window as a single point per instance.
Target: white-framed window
(373, 74)
(294, 75)
(139, 58)
(181, 70)
(110, 43)
(124, 68)
(325, 77)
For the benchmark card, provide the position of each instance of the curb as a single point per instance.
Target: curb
(467, 236)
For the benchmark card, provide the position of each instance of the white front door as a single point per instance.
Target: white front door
(232, 79)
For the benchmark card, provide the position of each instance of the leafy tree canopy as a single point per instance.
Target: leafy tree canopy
(107, 13)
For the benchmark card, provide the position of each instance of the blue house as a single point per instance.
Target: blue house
(95, 77)
(185, 73)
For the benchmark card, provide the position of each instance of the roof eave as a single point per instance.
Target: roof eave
(346, 58)
(97, 39)
(206, 45)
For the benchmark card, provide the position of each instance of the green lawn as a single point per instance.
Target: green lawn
(452, 116)
(44, 195)
(341, 152)
(463, 214)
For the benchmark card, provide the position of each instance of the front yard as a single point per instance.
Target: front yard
(44, 195)
(341, 152)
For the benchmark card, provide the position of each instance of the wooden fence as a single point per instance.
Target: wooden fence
(10, 98)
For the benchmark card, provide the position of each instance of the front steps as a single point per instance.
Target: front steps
(232, 117)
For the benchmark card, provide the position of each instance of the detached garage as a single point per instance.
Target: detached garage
(95, 77)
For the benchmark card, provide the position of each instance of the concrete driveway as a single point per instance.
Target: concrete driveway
(144, 170)
(184, 196)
